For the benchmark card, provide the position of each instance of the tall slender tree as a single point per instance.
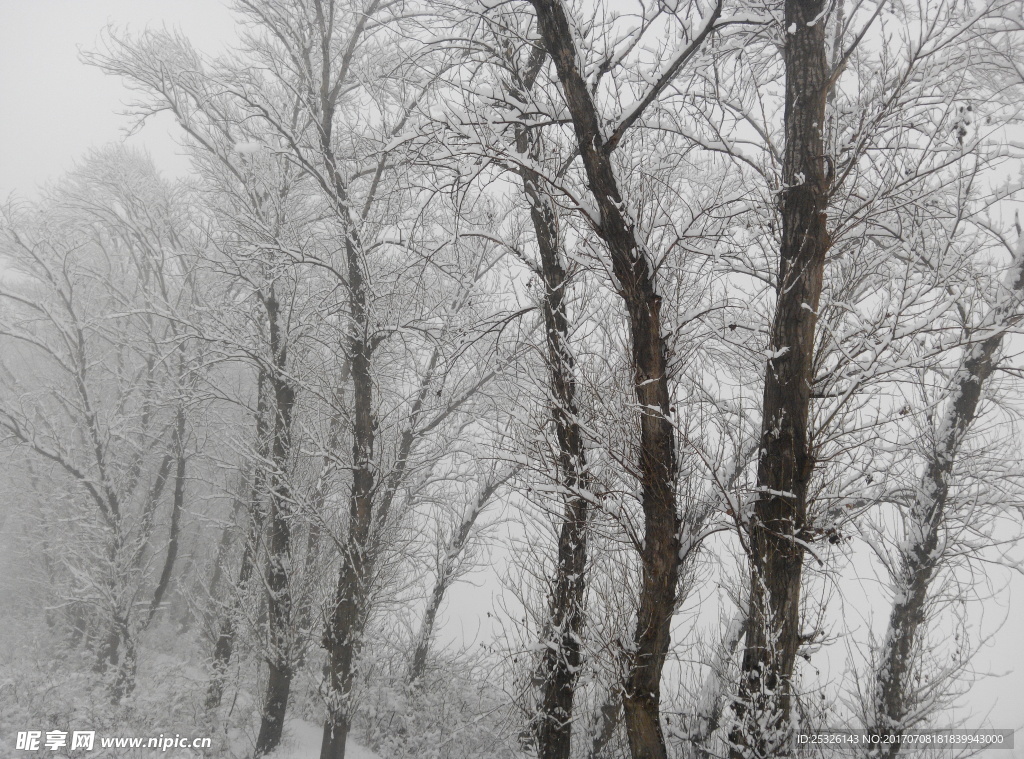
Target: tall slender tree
(775, 529)
(634, 268)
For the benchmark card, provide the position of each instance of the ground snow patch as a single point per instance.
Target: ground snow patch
(302, 741)
(355, 751)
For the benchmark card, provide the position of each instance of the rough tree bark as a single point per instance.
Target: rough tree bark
(345, 623)
(776, 527)
(921, 554)
(634, 271)
(609, 716)
(226, 538)
(562, 658)
(329, 465)
(279, 600)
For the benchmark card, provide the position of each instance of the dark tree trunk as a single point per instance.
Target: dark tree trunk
(895, 696)
(563, 658)
(342, 638)
(117, 653)
(419, 655)
(279, 600)
(176, 507)
(318, 499)
(634, 271)
(345, 625)
(109, 651)
(778, 522)
(124, 673)
(163, 473)
(224, 544)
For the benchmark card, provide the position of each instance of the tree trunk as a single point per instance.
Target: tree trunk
(117, 652)
(563, 658)
(777, 525)
(109, 651)
(895, 697)
(176, 508)
(342, 638)
(708, 714)
(163, 473)
(279, 599)
(224, 544)
(317, 502)
(446, 575)
(634, 271)
(345, 626)
(610, 713)
(124, 674)
(419, 654)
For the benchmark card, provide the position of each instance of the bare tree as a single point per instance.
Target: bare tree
(450, 565)
(775, 529)
(634, 269)
(897, 701)
(103, 284)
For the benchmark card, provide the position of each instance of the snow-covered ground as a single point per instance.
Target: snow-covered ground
(302, 741)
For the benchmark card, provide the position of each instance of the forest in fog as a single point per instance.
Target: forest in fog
(569, 379)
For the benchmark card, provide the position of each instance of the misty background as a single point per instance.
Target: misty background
(54, 110)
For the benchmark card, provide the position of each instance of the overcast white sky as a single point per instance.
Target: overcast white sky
(53, 109)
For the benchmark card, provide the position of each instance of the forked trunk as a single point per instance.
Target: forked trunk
(634, 272)
(562, 658)
(342, 638)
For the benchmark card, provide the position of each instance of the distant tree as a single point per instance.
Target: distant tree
(100, 378)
